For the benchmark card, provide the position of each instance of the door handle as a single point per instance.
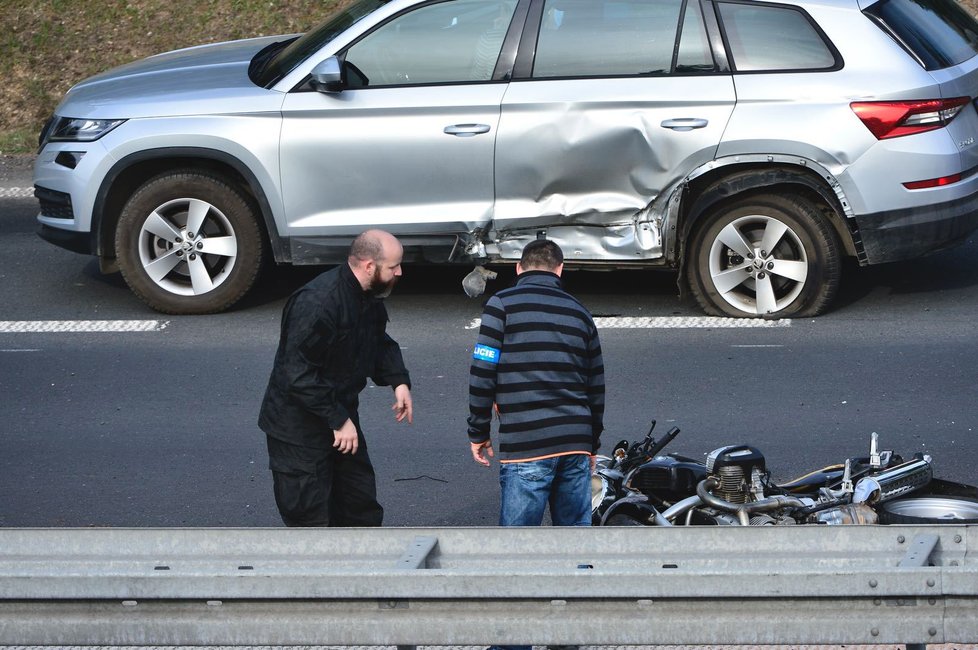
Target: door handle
(466, 130)
(685, 123)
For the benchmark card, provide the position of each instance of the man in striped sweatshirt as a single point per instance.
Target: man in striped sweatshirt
(538, 360)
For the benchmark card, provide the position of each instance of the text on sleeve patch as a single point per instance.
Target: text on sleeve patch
(485, 353)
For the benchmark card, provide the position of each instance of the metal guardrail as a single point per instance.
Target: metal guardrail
(468, 586)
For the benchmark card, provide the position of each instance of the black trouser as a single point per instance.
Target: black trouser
(322, 487)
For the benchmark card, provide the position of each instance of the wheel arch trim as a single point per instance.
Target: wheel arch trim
(714, 180)
(104, 225)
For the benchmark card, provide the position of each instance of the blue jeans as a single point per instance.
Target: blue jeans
(527, 487)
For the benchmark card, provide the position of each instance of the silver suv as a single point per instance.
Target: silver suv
(750, 145)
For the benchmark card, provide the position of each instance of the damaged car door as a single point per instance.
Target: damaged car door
(405, 140)
(619, 101)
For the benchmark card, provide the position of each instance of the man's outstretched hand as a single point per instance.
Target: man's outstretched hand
(403, 406)
(477, 452)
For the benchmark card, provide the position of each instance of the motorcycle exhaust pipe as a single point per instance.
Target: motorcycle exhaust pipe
(895, 482)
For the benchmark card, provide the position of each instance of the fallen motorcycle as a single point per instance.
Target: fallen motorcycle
(638, 486)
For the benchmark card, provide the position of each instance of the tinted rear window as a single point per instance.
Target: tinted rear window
(769, 38)
(938, 32)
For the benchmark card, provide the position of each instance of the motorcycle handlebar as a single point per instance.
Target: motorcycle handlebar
(665, 440)
(648, 439)
(645, 450)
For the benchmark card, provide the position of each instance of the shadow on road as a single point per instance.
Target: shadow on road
(278, 282)
(944, 271)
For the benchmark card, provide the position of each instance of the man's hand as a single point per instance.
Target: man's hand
(477, 449)
(345, 438)
(403, 407)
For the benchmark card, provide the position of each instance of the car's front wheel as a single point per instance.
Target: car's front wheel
(764, 256)
(188, 243)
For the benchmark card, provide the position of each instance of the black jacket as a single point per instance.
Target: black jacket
(333, 337)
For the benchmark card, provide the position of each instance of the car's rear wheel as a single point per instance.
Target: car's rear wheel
(764, 256)
(188, 243)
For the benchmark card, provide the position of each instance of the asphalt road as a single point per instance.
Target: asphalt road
(158, 428)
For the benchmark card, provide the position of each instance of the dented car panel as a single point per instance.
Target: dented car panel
(602, 161)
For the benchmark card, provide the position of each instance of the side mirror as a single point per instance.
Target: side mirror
(327, 76)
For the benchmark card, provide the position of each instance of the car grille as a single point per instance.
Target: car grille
(54, 204)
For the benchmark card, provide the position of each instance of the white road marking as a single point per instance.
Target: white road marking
(602, 322)
(672, 322)
(685, 322)
(46, 326)
(21, 350)
(16, 192)
(757, 346)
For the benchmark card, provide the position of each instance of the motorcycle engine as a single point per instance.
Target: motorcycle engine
(738, 470)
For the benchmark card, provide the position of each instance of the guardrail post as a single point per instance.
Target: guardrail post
(418, 553)
(416, 557)
(918, 554)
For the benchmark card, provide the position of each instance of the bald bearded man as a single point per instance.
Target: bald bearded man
(333, 338)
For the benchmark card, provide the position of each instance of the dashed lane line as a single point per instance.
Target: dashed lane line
(61, 326)
(672, 322)
(16, 192)
(685, 322)
(602, 322)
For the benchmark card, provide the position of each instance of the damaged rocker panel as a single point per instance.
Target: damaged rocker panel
(648, 236)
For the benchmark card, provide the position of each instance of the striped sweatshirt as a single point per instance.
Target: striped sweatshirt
(538, 359)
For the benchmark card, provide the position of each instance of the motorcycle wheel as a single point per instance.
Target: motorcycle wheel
(622, 520)
(930, 510)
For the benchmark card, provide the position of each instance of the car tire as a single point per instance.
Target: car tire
(764, 256)
(176, 270)
(938, 509)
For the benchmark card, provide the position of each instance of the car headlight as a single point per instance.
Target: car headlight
(77, 129)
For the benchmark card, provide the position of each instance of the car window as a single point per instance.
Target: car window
(768, 38)
(938, 32)
(280, 61)
(448, 42)
(694, 53)
(595, 38)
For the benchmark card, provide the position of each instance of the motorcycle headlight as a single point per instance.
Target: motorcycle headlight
(76, 129)
(599, 490)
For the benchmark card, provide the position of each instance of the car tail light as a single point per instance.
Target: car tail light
(933, 182)
(895, 119)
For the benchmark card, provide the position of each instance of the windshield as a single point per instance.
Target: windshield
(297, 51)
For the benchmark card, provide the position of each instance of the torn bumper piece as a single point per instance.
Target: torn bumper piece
(905, 234)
